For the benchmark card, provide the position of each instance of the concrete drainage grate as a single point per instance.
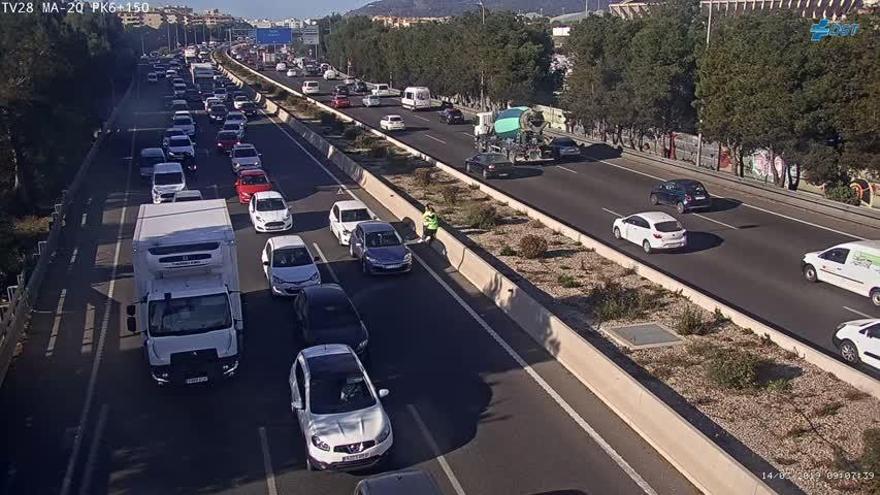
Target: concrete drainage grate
(644, 336)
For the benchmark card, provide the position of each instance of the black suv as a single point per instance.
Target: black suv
(217, 113)
(327, 316)
(452, 116)
(684, 194)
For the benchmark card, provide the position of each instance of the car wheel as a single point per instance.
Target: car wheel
(875, 297)
(309, 466)
(653, 199)
(351, 250)
(485, 174)
(646, 246)
(849, 352)
(680, 207)
(616, 233)
(467, 167)
(810, 273)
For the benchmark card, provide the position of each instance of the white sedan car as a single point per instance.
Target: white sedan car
(371, 101)
(339, 410)
(211, 100)
(392, 123)
(238, 102)
(859, 341)
(281, 67)
(269, 212)
(289, 266)
(291, 73)
(344, 217)
(185, 123)
(652, 230)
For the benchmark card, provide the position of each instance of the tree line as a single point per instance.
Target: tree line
(511, 57)
(60, 75)
(759, 84)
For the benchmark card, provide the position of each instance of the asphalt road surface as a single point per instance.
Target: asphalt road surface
(82, 416)
(746, 251)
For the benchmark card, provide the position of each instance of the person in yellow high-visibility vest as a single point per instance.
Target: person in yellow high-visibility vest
(430, 224)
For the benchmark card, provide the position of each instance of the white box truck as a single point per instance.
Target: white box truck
(188, 305)
(416, 98)
(203, 75)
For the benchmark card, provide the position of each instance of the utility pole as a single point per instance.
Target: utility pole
(168, 28)
(185, 40)
(700, 123)
(482, 65)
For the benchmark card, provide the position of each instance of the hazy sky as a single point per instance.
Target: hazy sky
(273, 8)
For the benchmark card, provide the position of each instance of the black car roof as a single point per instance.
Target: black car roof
(369, 227)
(686, 182)
(324, 293)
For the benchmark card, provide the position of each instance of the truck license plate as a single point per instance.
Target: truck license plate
(197, 379)
(355, 457)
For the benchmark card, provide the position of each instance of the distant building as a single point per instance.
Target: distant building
(814, 9)
(216, 18)
(561, 31)
(398, 22)
(174, 14)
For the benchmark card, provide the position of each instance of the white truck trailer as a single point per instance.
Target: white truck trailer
(203, 75)
(188, 305)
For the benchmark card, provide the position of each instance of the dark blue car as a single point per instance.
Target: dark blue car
(380, 249)
(684, 194)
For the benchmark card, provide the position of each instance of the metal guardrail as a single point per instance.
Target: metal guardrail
(20, 298)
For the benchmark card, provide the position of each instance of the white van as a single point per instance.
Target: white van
(854, 266)
(416, 98)
(311, 87)
(382, 90)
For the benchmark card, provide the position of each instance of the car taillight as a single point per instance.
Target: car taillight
(658, 236)
(491, 166)
(687, 197)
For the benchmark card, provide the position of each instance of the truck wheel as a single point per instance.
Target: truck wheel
(875, 296)
(810, 273)
(849, 352)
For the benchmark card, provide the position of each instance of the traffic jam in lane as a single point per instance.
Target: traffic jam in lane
(256, 342)
(673, 224)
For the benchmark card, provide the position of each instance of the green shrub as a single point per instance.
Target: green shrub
(827, 409)
(568, 281)
(378, 151)
(690, 322)
(450, 194)
(779, 385)
(535, 224)
(365, 140)
(352, 133)
(870, 458)
(734, 369)
(507, 251)
(612, 301)
(843, 194)
(328, 119)
(532, 247)
(480, 216)
(424, 177)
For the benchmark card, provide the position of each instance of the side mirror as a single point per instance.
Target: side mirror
(265, 263)
(383, 392)
(131, 324)
(130, 310)
(316, 259)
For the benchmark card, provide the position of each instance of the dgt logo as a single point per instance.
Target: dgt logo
(825, 28)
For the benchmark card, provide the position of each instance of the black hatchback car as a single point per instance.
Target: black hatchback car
(341, 90)
(327, 316)
(452, 116)
(684, 194)
(489, 165)
(217, 113)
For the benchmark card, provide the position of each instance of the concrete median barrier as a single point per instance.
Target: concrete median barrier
(702, 461)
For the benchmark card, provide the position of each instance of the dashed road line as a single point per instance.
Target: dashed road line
(865, 315)
(435, 450)
(73, 257)
(704, 217)
(618, 215)
(435, 139)
(56, 324)
(267, 462)
(326, 262)
(86, 486)
(88, 330)
(421, 118)
(566, 169)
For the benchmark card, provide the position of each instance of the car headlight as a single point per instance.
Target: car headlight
(407, 258)
(385, 433)
(258, 218)
(345, 231)
(371, 259)
(277, 280)
(315, 276)
(321, 444)
(840, 326)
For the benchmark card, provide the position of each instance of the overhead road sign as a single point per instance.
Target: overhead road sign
(274, 36)
(310, 35)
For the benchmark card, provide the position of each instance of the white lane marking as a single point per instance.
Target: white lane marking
(580, 421)
(56, 324)
(450, 474)
(73, 257)
(326, 262)
(620, 461)
(866, 315)
(105, 323)
(618, 215)
(267, 462)
(421, 118)
(468, 134)
(435, 139)
(704, 217)
(86, 485)
(82, 222)
(88, 330)
(780, 215)
(566, 169)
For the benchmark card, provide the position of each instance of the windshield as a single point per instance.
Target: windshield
(358, 215)
(189, 315)
(218, 109)
(182, 120)
(245, 153)
(271, 204)
(565, 142)
(231, 127)
(168, 179)
(382, 239)
(394, 119)
(340, 392)
(293, 256)
(695, 189)
(180, 141)
(254, 180)
(667, 226)
(174, 132)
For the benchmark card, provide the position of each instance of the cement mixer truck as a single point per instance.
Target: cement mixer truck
(516, 132)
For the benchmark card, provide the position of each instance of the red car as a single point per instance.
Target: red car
(340, 101)
(226, 140)
(250, 182)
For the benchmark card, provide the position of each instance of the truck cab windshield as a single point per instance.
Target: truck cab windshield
(189, 315)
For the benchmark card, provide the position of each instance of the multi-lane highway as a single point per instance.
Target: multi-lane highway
(81, 415)
(746, 251)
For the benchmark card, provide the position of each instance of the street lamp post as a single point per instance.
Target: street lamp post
(482, 65)
(700, 123)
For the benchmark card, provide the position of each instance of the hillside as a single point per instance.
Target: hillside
(437, 8)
